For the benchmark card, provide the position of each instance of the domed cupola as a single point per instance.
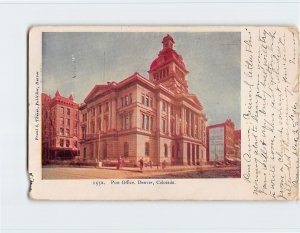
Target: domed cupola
(168, 68)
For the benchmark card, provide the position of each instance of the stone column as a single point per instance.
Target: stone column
(114, 111)
(190, 123)
(88, 122)
(169, 119)
(158, 118)
(182, 120)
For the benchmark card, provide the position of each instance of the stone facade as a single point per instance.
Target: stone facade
(60, 128)
(156, 119)
(231, 140)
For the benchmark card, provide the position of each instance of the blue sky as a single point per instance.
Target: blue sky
(212, 58)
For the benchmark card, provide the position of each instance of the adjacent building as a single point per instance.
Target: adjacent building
(223, 142)
(60, 127)
(153, 118)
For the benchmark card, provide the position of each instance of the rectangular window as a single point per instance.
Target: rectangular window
(75, 124)
(164, 106)
(61, 142)
(68, 111)
(61, 110)
(67, 132)
(75, 144)
(147, 101)
(61, 131)
(67, 143)
(126, 100)
(143, 121)
(151, 102)
(68, 122)
(143, 99)
(75, 132)
(130, 98)
(130, 120)
(127, 121)
(147, 122)
(151, 123)
(61, 120)
(164, 125)
(122, 102)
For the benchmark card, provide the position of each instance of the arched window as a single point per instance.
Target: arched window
(147, 149)
(166, 150)
(126, 149)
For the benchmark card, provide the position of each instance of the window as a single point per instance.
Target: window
(147, 149)
(75, 132)
(130, 98)
(151, 123)
(164, 125)
(143, 121)
(126, 100)
(61, 110)
(126, 149)
(122, 102)
(68, 111)
(107, 106)
(126, 121)
(67, 143)
(164, 106)
(147, 101)
(61, 131)
(75, 144)
(166, 150)
(130, 119)
(143, 99)
(67, 132)
(61, 142)
(75, 124)
(83, 130)
(172, 127)
(151, 102)
(68, 122)
(61, 120)
(147, 122)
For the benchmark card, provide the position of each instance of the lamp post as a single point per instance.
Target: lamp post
(98, 159)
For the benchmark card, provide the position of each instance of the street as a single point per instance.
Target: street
(175, 172)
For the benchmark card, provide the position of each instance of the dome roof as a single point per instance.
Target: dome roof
(165, 57)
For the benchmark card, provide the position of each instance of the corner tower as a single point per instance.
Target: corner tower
(168, 69)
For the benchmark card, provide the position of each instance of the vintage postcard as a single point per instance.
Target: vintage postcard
(163, 113)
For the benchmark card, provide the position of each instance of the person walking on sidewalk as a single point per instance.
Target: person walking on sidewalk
(141, 164)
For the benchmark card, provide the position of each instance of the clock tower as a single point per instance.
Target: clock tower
(168, 69)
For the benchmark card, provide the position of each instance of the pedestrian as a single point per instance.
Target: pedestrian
(119, 163)
(141, 164)
(164, 164)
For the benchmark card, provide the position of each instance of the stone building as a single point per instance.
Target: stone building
(60, 127)
(156, 119)
(223, 141)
